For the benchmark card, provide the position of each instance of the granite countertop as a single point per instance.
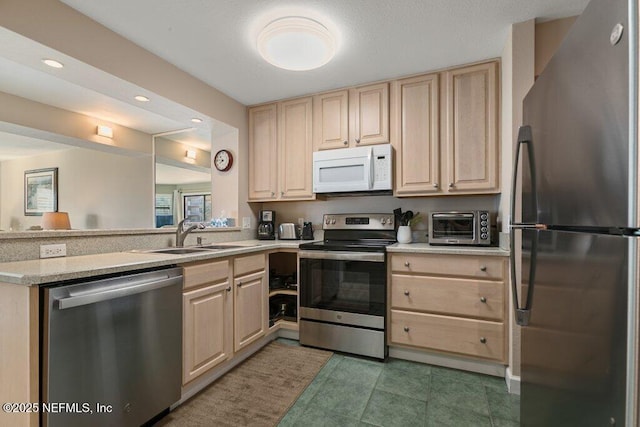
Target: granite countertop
(425, 248)
(43, 271)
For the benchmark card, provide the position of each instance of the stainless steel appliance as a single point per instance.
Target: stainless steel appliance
(266, 225)
(307, 231)
(343, 285)
(112, 349)
(359, 169)
(475, 228)
(575, 227)
(288, 231)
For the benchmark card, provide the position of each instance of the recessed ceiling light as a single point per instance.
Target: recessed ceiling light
(296, 43)
(141, 98)
(196, 120)
(53, 63)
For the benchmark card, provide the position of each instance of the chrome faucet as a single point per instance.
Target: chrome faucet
(182, 234)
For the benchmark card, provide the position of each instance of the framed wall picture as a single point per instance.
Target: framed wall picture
(40, 191)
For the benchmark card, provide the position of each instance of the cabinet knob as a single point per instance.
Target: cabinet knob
(451, 185)
(345, 142)
(435, 185)
(406, 329)
(239, 284)
(483, 300)
(357, 140)
(282, 193)
(228, 288)
(483, 268)
(273, 194)
(407, 263)
(406, 293)
(483, 340)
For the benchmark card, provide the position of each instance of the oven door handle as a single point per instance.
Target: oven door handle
(343, 256)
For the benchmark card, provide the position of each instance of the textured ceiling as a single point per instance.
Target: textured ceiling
(214, 40)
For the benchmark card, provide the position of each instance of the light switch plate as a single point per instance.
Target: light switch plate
(53, 251)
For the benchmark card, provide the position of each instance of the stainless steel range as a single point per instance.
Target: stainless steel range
(343, 285)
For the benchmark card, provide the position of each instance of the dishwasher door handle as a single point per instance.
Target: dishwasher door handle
(113, 293)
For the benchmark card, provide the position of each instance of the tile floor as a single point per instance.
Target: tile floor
(351, 391)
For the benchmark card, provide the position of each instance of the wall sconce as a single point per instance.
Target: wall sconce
(55, 221)
(105, 131)
(190, 154)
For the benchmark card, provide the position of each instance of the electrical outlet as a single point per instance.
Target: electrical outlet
(246, 222)
(52, 251)
(300, 222)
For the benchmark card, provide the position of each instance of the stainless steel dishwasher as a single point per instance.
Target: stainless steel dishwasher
(112, 349)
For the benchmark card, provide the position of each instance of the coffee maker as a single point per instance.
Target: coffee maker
(267, 225)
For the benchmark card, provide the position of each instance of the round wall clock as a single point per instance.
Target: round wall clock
(223, 160)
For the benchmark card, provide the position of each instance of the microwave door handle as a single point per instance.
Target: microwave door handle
(371, 170)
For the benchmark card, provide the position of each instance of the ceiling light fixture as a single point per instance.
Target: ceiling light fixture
(141, 98)
(105, 131)
(196, 120)
(296, 43)
(53, 63)
(190, 154)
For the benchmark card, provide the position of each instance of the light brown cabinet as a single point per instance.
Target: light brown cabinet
(250, 299)
(280, 151)
(449, 303)
(207, 318)
(445, 132)
(351, 117)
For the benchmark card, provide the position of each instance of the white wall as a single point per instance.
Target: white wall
(99, 190)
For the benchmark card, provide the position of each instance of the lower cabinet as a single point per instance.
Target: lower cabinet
(207, 318)
(449, 303)
(251, 304)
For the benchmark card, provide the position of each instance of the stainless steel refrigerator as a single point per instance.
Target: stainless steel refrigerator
(573, 229)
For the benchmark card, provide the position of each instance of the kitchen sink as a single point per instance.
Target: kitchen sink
(177, 251)
(209, 247)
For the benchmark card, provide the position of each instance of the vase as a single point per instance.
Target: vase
(404, 234)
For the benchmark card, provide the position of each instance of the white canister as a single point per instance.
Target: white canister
(404, 234)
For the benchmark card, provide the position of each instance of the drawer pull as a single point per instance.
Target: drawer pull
(406, 293)
(483, 340)
(239, 284)
(483, 268)
(228, 288)
(406, 329)
(483, 300)
(407, 263)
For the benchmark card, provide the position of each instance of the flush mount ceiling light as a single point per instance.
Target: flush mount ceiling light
(141, 98)
(296, 43)
(53, 63)
(196, 120)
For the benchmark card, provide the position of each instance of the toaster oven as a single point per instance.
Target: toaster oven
(474, 228)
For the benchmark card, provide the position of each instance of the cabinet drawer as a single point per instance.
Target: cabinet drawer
(205, 272)
(481, 267)
(248, 264)
(457, 297)
(451, 334)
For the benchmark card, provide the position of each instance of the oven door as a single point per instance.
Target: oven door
(344, 282)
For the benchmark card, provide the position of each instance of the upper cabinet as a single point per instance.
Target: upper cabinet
(280, 151)
(470, 128)
(445, 132)
(351, 117)
(263, 146)
(415, 134)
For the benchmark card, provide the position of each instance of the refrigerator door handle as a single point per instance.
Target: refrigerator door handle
(523, 313)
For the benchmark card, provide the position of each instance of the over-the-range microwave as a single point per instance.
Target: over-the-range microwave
(353, 169)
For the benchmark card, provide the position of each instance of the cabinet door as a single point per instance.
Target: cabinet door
(250, 316)
(331, 120)
(207, 329)
(263, 177)
(415, 135)
(295, 149)
(369, 114)
(470, 128)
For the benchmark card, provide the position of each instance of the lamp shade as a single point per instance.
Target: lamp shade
(56, 221)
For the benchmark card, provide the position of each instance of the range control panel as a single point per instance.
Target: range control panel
(358, 222)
